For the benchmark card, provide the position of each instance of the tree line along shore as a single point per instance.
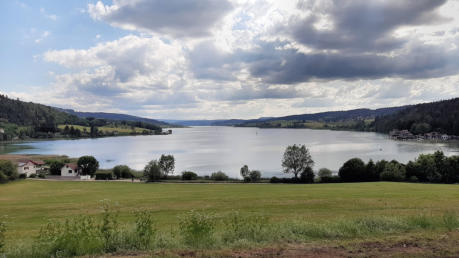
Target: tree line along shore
(296, 161)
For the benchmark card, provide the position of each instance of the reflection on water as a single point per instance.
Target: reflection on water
(208, 149)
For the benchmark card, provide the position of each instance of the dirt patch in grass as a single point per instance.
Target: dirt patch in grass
(430, 245)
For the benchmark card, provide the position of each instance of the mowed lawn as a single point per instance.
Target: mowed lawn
(29, 204)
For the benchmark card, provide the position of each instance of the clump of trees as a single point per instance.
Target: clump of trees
(188, 175)
(122, 171)
(156, 170)
(250, 175)
(219, 176)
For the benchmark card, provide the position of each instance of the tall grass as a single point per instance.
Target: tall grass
(89, 235)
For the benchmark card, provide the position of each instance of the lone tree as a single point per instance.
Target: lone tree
(152, 171)
(297, 159)
(88, 165)
(245, 172)
(167, 164)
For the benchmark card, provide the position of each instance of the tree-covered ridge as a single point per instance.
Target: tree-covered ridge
(22, 120)
(440, 116)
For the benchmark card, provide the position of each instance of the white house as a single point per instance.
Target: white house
(70, 169)
(29, 167)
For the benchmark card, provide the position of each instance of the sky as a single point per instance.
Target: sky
(221, 59)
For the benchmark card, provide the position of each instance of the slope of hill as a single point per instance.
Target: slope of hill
(356, 119)
(19, 119)
(440, 116)
(115, 116)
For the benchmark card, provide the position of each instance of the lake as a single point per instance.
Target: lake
(208, 149)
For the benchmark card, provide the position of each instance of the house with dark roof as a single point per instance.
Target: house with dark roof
(70, 169)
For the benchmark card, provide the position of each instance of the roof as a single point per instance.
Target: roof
(72, 166)
(35, 162)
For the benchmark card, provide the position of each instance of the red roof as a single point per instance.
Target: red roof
(35, 162)
(72, 166)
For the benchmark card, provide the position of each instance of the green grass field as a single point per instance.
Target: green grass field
(30, 204)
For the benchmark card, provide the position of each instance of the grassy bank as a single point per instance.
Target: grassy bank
(259, 213)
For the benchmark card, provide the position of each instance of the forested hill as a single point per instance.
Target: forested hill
(23, 113)
(441, 116)
(22, 120)
(115, 116)
(355, 119)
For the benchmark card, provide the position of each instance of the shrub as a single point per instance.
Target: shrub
(32, 175)
(393, 171)
(332, 179)
(152, 171)
(188, 175)
(41, 175)
(144, 230)
(239, 227)
(197, 229)
(22, 176)
(219, 176)
(122, 171)
(353, 170)
(104, 175)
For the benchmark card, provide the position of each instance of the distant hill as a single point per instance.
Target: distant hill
(115, 116)
(441, 116)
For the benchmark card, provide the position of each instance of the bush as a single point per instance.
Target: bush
(188, 175)
(144, 230)
(275, 180)
(197, 229)
(393, 171)
(32, 175)
(353, 170)
(104, 175)
(219, 176)
(332, 179)
(22, 176)
(122, 171)
(41, 175)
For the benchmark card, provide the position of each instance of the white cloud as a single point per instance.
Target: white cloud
(234, 63)
(42, 37)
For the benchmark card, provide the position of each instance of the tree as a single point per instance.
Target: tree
(55, 167)
(8, 169)
(307, 176)
(393, 171)
(296, 159)
(219, 176)
(122, 171)
(245, 171)
(371, 172)
(152, 171)
(352, 170)
(188, 175)
(88, 165)
(325, 174)
(254, 175)
(167, 164)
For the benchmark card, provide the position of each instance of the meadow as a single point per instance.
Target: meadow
(273, 212)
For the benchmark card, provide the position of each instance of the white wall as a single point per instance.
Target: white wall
(29, 168)
(68, 171)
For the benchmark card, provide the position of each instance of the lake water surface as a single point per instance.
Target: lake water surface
(208, 149)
